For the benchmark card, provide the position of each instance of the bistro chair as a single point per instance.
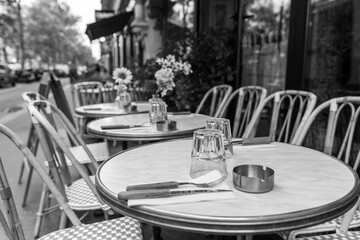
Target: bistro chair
(32, 143)
(98, 150)
(108, 93)
(244, 100)
(342, 228)
(81, 193)
(214, 100)
(284, 112)
(140, 93)
(331, 128)
(120, 228)
(88, 93)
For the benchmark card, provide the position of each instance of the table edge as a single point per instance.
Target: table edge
(233, 225)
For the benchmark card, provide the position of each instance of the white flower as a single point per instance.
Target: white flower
(165, 80)
(169, 69)
(122, 76)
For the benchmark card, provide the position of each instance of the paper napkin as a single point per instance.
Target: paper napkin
(190, 197)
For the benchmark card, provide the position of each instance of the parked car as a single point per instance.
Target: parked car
(6, 76)
(60, 73)
(26, 75)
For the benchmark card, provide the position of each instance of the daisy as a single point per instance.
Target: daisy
(122, 75)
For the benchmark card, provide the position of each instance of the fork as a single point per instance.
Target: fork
(124, 126)
(174, 184)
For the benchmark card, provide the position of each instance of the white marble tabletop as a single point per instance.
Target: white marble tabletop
(310, 187)
(109, 109)
(185, 126)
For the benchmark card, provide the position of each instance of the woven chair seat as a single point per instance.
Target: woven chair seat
(355, 222)
(99, 150)
(124, 228)
(81, 198)
(326, 226)
(345, 236)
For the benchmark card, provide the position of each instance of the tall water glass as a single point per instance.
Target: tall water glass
(207, 153)
(224, 126)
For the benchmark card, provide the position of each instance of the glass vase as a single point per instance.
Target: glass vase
(123, 99)
(157, 110)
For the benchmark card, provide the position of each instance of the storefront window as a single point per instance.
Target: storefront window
(264, 43)
(332, 51)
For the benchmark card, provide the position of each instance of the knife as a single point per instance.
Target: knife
(161, 193)
(180, 113)
(253, 141)
(92, 109)
(121, 126)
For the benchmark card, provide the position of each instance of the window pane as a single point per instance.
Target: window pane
(332, 54)
(265, 43)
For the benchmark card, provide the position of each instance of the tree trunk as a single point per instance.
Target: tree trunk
(21, 35)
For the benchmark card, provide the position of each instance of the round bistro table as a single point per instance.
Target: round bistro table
(310, 187)
(102, 110)
(185, 126)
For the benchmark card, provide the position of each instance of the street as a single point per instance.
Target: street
(10, 97)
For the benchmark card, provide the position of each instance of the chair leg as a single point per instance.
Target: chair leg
(156, 233)
(63, 220)
(21, 172)
(41, 210)
(106, 215)
(240, 237)
(27, 186)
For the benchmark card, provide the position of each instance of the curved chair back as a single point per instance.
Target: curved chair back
(52, 119)
(140, 94)
(246, 100)
(119, 228)
(88, 92)
(287, 110)
(333, 128)
(214, 100)
(54, 147)
(12, 227)
(32, 96)
(108, 94)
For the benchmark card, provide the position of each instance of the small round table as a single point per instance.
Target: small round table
(310, 188)
(185, 126)
(102, 110)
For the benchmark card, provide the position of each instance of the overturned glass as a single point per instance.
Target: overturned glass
(207, 153)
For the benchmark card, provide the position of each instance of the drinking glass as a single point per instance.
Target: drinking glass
(157, 110)
(223, 125)
(207, 153)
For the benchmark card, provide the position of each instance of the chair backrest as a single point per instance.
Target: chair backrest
(54, 147)
(331, 128)
(214, 100)
(108, 94)
(88, 92)
(12, 226)
(140, 94)
(244, 100)
(28, 97)
(287, 110)
(33, 140)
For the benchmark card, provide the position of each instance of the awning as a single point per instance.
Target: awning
(108, 26)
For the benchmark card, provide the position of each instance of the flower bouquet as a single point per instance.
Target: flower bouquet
(170, 68)
(122, 77)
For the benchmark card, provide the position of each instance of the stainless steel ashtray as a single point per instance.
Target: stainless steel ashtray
(164, 126)
(253, 178)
